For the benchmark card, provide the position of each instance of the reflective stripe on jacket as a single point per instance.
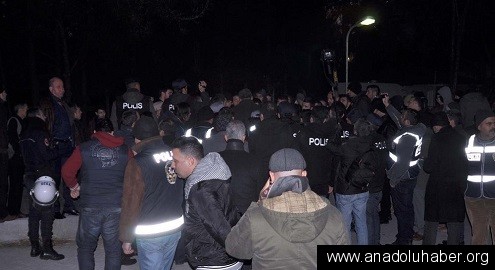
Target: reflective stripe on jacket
(481, 176)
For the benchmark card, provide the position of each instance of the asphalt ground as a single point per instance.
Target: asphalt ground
(15, 254)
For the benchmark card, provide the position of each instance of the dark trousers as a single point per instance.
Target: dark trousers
(4, 184)
(38, 214)
(385, 202)
(64, 150)
(16, 174)
(94, 222)
(453, 233)
(180, 251)
(402, 199)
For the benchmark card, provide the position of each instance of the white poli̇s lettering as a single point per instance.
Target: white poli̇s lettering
(318, 141)
(163, 156)
(136, 106)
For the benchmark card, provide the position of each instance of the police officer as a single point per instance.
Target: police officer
(151, 204)
(131, 99)
(312, 141)
(37, 154)
(403, 168)
(270, 136)
(480, 192)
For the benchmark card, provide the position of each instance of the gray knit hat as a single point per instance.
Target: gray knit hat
(287, 159)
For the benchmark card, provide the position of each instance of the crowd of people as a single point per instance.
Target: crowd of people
(250, 180)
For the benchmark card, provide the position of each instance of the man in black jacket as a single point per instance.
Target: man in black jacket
(360, 100)
(60, 122)
(351, 183)
(271, 135)
(37, 154)
(246, 106)
(448, 168)
(245, 175)
(312, 141)
(210, 210)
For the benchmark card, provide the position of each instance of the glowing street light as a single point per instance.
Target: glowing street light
(366, 21)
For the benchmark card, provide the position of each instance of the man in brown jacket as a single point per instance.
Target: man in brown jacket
(286, 201)
(151, 202)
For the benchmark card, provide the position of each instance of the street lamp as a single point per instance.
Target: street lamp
(366, 21)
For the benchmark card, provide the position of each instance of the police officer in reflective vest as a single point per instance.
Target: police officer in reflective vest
(132, 99)
(151, 201)
(403, 168)
(480, 192)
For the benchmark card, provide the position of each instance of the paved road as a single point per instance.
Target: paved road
(16, 257)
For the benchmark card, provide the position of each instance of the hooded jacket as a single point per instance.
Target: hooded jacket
(470, 103)
(446, 95)
(210, 212)
(101, 162)
(283, 232)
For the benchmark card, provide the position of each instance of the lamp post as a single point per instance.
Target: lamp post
(366, 21)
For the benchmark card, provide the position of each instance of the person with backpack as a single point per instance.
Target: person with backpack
(356, 170)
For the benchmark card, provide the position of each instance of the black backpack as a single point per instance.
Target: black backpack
(363, 169)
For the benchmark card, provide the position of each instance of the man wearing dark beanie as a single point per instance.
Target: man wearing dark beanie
(360, 101)
(480, 192)
(152, 200)
(444, 196)
(290, 215)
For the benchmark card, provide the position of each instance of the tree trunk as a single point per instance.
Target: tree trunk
(460, 36)
(196, 55)
(84, 86)
(452, 41)
(458, 27)
(65, 61)
(2, 73)
(35, 87)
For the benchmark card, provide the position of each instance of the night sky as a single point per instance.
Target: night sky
(236, 44)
